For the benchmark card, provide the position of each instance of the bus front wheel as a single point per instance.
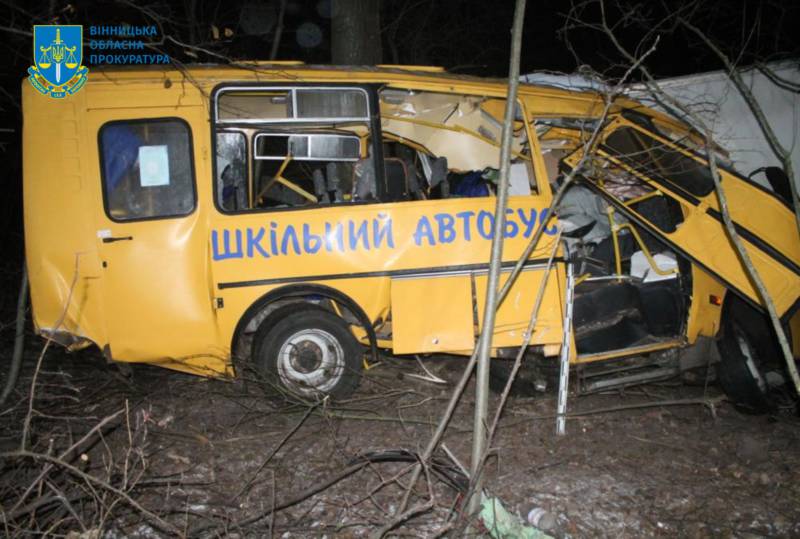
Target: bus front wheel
(750, 370)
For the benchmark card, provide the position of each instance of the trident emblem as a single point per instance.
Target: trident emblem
(58, 51)
(55, 53)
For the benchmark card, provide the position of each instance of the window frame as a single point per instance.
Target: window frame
(291, 89)
(373, 123)
(288, 135)
(244, 135)
(698, 154)
(686, 191)
(102, 161)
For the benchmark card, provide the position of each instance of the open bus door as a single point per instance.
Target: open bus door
(681, 177)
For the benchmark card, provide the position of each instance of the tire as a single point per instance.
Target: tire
(746, 356)
(309, 352)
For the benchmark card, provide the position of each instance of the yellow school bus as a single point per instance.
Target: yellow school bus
(300, 220)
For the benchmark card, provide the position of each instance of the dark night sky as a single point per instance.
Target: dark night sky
(464, 36)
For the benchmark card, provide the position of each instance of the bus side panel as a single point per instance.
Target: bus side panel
(514, 315)
(348, 247)
(371, 294)
(61, 254)
(704, 315)
(432, 314)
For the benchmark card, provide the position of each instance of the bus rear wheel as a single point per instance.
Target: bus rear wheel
(308, 351)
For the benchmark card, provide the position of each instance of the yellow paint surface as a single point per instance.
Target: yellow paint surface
(170, 298)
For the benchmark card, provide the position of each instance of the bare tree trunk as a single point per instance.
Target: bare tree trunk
(496, 260)
(356, 32)
(276, 41)
(19, 339)
(191, 11)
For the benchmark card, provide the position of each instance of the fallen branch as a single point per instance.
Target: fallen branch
(710, 403)
(402, 517)
(55, 461)
(275, 450)
(301, 497)
(414, 511)
(64, 454)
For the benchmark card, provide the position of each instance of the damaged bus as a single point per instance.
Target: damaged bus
(299, 220)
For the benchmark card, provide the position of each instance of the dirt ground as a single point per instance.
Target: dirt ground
(213, 458)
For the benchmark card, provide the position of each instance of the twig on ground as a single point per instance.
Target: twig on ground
(711, 403)
(64, 455)
(29, 416)
(302, 496)
(275, 450)
(92, 480)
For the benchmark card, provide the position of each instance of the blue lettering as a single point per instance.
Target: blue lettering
(290, 234)
(483, 218)
(424, 229)
(332, 234)
(446, 223)
(361, 234)
(511, 228)
(226, 245)
(311, 242)
(465, 217)
(530, 224)
(543, 221)
(378, 233)
(273, 238)
(254, 242)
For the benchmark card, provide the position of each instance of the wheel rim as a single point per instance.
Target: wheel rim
(750, 359)
(311, 361)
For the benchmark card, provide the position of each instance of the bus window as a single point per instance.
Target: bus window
(300, 168)
(147, 169)
(232, 189)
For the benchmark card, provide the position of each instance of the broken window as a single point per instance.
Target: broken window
(232, 188)
(306, 146)
(314, 145)
(147, 169)
(664, 164)
(456, 139)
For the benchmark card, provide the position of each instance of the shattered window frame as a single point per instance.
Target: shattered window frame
(451, 105)
(692, 181)
(218, 180)
(289, 122)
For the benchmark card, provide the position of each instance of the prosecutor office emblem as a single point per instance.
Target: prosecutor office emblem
(57, 55)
